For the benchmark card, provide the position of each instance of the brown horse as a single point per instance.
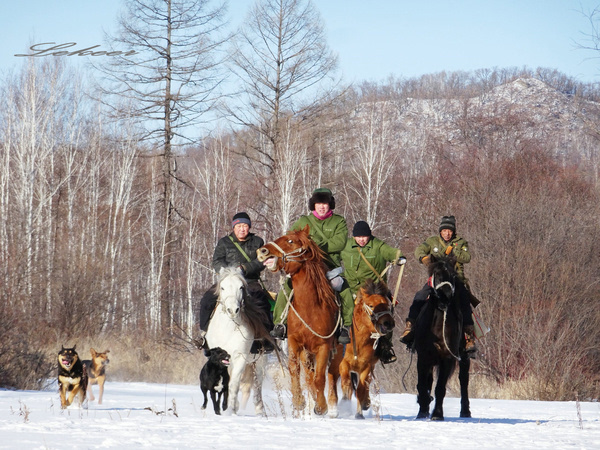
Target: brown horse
(372, 319)
(313, 318)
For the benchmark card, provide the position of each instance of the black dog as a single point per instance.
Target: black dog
(72, 377)
(214, 377)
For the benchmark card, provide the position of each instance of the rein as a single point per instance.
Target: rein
(290, 256)
(374, 317)
(289, 306)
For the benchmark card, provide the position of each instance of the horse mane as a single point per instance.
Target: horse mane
(438, 263)
(315, 268)
(376, 288)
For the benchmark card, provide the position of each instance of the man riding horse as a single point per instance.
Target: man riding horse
(445, 243)
(364, 258)
(329, 231)
(239, 249)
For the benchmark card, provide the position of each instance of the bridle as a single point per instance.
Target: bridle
(294, 255)
(376, 316)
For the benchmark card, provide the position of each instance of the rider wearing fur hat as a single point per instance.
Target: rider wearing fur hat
(329, 231)
(445, 243)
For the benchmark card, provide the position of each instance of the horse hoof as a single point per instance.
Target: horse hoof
(466, 414)
(437, 417)
(359, 416)
(319, 412)
(422, 415)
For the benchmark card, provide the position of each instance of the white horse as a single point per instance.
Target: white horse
(232, 327)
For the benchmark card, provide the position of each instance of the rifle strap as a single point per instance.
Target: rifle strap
(244, 254)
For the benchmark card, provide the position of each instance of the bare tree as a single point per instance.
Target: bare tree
(282, 62)
(171, 84)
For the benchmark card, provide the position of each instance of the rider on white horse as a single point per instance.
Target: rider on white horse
(239, 249)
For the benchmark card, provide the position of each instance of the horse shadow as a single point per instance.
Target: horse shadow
(484, 420)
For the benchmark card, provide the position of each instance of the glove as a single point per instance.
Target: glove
(448, 250)
(424, 260)
(401, 261)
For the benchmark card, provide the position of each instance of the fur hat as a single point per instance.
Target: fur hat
(448, 223)
(321, 195)
(361, 228)
(241, 217)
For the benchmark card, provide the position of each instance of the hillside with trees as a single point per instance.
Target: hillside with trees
(109, 229)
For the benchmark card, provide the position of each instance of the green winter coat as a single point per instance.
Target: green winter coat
(435, 245)
(377, 252)
(329, 234)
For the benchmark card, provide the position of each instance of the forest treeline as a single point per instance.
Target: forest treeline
(512, 153)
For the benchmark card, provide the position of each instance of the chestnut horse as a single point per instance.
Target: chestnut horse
(438, 335)
(372, 319)
(314, 316)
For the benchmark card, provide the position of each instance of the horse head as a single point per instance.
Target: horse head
(374, 300)
(231, 289)
(442, 278)
(289, 251)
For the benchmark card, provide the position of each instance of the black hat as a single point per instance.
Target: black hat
(361, 228)
(321, 195)
(448, 223)
(241, 217)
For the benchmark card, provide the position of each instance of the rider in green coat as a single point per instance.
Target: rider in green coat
(445, 243)
(365, 257)
(329, 231)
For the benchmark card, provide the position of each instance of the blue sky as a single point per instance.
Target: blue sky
(373, 39)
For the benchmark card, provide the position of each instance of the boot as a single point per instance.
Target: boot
(470, 346)
(407, 336)
(279, 331)
(385, 351)
(344, 337)
(200, 341)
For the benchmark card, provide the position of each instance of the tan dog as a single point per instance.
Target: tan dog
(96, 372)
(72, 378)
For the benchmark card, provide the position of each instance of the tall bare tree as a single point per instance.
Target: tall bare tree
(282, 61)
(171, 84)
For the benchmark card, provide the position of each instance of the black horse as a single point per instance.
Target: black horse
(439, 339)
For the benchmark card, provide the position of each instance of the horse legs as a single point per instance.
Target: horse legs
(444, 371)
(320, 378)
(363, 400)
(298, 401)
(424, 383)
(333, 375)
(259, 376)
(346, 382)
(246, 385)
(463, 376)
(238, 365)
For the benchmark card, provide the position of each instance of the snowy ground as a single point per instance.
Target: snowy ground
(169, 416)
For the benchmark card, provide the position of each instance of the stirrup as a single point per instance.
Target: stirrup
(388, 357)
(344, 337)
(279, 331)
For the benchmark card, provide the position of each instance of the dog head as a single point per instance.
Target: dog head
(100, 358)
(218, 356)
(67, 357)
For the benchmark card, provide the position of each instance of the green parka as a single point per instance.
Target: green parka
(435, 245)
(377, 252)
(329, 234)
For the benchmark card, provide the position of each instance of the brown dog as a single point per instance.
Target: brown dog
(96, 372)
(72, 378)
